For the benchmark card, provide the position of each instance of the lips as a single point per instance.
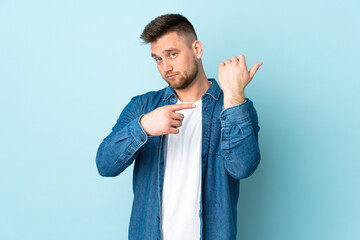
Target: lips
(171, 76)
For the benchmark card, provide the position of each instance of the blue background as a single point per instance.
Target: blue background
(68, 68)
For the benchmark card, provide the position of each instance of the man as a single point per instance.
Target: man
(191, 141)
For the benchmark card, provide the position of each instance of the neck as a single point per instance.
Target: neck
(195, 90)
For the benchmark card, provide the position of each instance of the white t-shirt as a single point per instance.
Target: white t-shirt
(182, 180)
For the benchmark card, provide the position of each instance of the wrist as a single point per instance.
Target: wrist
(141, 121)
(233, 101)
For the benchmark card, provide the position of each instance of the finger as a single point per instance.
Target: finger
(175, 123)
(234, 59)
(181, 106)
(254, 69)
(227, 62)
(242, 60)
(221, 64)
(173, 130)
(178, 116)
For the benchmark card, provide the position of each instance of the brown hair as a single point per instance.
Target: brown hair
(165, 24)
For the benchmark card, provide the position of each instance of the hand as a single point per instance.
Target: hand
(164, 120)
(234, 77)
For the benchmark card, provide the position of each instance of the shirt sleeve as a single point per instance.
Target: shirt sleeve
(239, 139)
(121, 147)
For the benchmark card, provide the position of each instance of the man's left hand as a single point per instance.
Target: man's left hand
(234, 77)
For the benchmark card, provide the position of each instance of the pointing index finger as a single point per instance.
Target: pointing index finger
(182, 106)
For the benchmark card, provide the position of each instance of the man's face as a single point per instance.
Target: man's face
(175, 60)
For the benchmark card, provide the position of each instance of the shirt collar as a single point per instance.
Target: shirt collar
(214, 90)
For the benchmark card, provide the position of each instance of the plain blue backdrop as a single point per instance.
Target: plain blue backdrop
(67, 69)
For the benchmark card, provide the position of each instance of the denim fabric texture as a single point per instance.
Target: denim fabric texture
(230, 152)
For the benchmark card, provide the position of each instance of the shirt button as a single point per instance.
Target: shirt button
(158, 217)
(223, 118)
(142, 140)
(224, 139)
(129, 154)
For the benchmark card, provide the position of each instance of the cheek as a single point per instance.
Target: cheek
(183, 64)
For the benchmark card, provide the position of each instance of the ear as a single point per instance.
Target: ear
(197, 48)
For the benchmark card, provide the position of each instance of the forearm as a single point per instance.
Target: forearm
(239, 140)
(120, 148)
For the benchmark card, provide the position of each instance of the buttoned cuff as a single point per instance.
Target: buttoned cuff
(236, 114)
(137, 131)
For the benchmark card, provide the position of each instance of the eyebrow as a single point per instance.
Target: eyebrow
(165, 51)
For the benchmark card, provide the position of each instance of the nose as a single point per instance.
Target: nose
(167, 65)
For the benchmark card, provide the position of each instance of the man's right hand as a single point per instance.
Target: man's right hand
(164, 120)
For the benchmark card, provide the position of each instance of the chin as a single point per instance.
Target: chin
(179, 85)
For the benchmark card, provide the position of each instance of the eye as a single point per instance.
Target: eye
(173, 54)
(158, 59)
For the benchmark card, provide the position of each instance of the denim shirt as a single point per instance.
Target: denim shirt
(230, 152)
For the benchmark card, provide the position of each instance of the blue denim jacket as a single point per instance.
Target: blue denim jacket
(230, 152)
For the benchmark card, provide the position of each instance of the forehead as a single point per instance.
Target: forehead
(167, 41)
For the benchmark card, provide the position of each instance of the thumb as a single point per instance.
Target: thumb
(254, 69)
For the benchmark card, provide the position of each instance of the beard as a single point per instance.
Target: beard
(182, 81)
